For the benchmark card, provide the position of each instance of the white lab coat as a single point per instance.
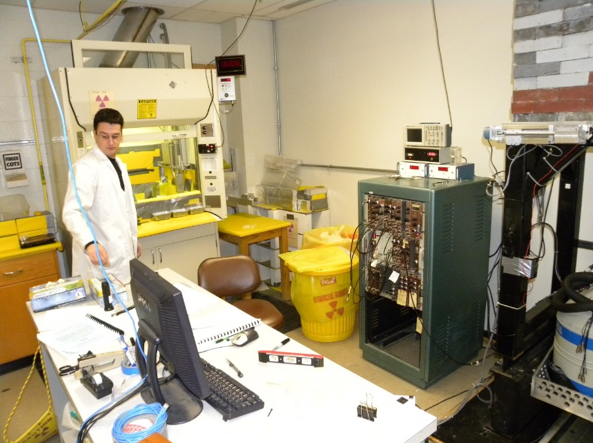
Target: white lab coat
(110, 210)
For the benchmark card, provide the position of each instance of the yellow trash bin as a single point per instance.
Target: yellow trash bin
(324, 290)
(343, 235)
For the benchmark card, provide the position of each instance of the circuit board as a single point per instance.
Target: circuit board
(395, 242)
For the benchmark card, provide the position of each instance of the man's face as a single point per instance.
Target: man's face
(108, 137)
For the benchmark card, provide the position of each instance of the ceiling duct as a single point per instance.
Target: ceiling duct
(136, 27)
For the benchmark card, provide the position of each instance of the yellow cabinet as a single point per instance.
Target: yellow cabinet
(18, 334)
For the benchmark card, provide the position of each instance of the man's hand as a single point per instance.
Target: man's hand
(138, 250)
(92, 253)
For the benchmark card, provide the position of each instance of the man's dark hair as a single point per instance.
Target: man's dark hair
(108, 115)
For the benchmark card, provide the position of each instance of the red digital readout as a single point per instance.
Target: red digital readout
(443, 168)
(230, 63)
(431, 154)
(414, 167)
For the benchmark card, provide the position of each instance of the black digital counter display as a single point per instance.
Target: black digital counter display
(230, 65)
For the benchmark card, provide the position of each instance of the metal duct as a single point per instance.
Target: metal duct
(136, 26)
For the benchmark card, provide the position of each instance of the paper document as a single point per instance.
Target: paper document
(77, 338)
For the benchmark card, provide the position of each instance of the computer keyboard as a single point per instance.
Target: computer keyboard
(229, 397)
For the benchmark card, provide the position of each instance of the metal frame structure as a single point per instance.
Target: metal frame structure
(523, 337)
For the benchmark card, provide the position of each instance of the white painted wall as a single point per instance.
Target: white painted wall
(252, 128)
(352, 73)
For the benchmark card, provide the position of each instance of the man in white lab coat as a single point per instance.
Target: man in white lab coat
(105, 193)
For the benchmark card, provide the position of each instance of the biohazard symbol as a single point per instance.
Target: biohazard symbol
(102, 101)
(334, 311)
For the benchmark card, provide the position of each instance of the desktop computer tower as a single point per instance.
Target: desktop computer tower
(423, 249)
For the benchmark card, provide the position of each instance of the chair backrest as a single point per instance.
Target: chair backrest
(227, 276)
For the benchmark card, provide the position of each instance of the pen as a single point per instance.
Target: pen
(282, 343)
(122, 311)
(239, 373)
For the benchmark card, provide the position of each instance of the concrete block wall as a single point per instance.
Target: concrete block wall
(553, 60)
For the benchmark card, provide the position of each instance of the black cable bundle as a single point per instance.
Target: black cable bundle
(570, 284)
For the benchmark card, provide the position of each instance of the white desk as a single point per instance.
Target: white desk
(306, 404)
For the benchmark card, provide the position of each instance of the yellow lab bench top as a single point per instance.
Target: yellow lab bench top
(242, 225)
(18, 252)
(247, 229)
(149, 228)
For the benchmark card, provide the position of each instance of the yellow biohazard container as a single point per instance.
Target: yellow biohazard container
(324, 291)
(343, 235)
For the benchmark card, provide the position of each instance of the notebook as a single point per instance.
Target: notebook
(217, 322)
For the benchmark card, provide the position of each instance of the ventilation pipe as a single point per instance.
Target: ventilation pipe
(136, 27)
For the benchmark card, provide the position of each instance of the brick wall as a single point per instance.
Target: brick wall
(553, 60)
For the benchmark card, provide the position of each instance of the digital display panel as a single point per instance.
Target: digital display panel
(230, 65)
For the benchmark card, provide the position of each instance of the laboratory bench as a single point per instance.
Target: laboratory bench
(309, 403)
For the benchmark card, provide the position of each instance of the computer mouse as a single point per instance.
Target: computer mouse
(247, 336)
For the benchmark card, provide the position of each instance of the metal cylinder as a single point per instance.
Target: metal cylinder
(136, 27)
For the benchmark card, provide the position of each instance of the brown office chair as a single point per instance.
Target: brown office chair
(238, 276)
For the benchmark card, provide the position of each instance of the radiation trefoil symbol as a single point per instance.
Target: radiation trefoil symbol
(102, 101)
(334, 311)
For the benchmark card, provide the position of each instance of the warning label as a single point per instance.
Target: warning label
(146, 109)
(100, 100)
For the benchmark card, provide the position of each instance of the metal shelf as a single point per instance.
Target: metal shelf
(268, 264)
(567, 399)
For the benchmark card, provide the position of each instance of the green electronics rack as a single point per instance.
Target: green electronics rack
(424, 246)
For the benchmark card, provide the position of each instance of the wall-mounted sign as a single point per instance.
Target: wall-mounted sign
(12, 161)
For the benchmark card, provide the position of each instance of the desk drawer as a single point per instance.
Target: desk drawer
(21, 269)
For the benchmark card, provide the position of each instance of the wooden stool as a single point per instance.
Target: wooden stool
(246, 229)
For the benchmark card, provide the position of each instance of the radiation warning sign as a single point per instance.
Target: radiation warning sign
(146, 109)
(99, 100)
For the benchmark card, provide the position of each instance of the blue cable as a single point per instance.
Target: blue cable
(63, 120)
(118, 432)
(71, 171)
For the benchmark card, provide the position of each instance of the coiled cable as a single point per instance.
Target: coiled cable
(119, 433)
(570, 284)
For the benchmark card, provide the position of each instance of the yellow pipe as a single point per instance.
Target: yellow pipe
(108, 13)
(32, 106)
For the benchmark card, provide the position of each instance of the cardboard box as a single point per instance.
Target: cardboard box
(95, 285)
(56, 294)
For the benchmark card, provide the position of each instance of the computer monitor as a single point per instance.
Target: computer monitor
(163, 324)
